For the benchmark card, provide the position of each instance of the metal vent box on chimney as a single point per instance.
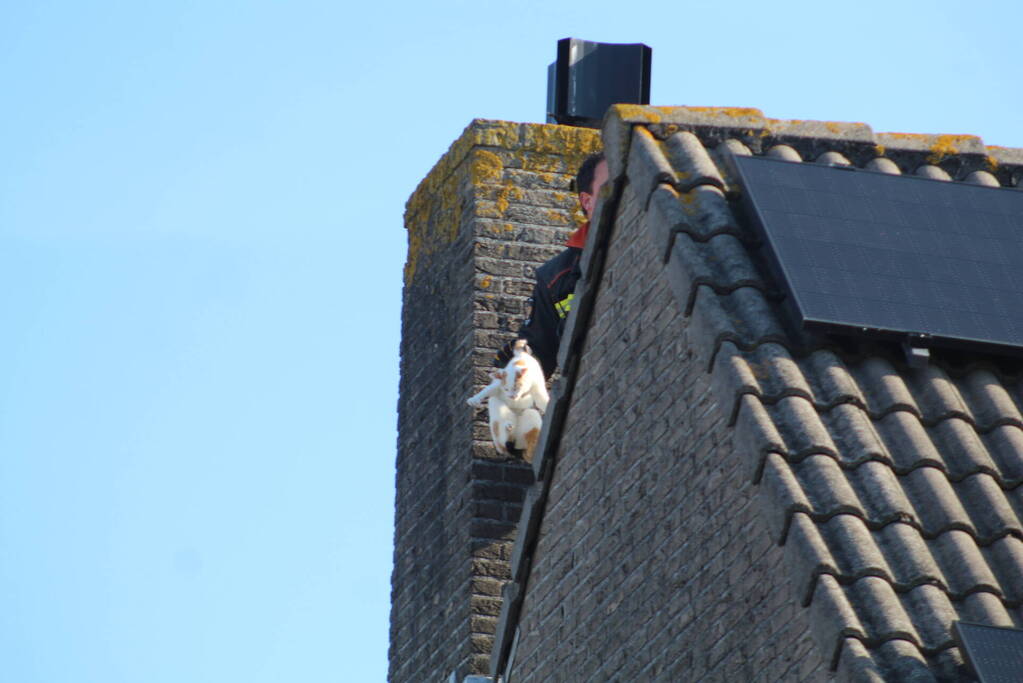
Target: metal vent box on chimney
(589, 77)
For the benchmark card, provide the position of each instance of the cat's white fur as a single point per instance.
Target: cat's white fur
(516, 399)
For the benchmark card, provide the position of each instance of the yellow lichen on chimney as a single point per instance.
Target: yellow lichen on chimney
(507, 191)
(560, 140)
(504, 134)
(486, 167)
(477, 161)
(441, 213)
(557, 217)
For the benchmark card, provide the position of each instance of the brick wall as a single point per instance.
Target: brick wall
(651, 563)
(494, 207)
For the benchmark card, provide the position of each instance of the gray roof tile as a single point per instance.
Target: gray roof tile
(908, 442)
(826, 487)
(858, 663)
(1004, 444)
(692, 162)
(989, 400)
(908, 555)
(1005, 557)
(779, 479)
(964, 568)
(831, 381)
(896, 492)
(647, 166)
(880, 492)
(936, 506)
(900, 660)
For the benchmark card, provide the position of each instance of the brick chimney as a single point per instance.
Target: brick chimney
(496, 206)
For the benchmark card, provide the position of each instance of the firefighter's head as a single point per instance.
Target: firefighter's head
(591, 177)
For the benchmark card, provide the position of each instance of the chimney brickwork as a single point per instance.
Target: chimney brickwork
(495, 206)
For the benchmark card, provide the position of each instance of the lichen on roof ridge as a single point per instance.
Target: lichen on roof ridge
(956, 154)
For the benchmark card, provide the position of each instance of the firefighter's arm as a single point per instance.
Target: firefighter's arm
(540, 330)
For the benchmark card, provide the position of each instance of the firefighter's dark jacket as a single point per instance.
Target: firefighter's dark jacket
(552, 301)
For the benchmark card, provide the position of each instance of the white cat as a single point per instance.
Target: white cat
(516, 398)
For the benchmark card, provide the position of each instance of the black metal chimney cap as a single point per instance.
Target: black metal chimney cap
(589, 77)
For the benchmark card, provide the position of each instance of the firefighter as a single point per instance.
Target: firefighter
(556, 279)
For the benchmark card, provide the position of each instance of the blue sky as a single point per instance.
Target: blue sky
(201, 247)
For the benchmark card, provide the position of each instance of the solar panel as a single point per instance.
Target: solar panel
(994, 653)
(891, 255)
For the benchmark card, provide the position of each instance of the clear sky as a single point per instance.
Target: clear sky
(201, 247)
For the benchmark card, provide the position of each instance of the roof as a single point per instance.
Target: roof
(896, 492)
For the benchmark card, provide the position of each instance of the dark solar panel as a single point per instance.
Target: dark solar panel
(891, 254)
(996, 654)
